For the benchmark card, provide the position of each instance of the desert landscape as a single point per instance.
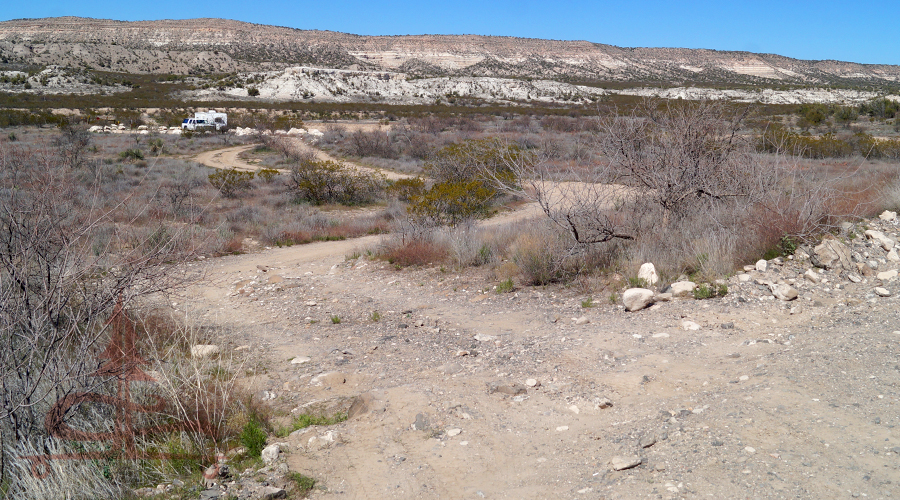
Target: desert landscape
(442, 267)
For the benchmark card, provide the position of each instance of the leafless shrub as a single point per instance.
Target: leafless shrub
(57, 288)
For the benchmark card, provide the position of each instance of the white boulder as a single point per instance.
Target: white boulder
(647, 272)
(636, 299)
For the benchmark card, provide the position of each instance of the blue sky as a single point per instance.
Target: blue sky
(862, 31)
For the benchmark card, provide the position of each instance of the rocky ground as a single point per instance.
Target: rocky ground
(458, 391)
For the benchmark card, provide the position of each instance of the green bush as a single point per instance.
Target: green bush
(132, 154)
(451, 203)
(320, 182)
(506, 286)
(252, 91)
(704, 291)
(231, 182)
(253, 437)
(405, 189)
(267, 174)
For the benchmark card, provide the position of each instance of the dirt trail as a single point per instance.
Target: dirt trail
(475, 394)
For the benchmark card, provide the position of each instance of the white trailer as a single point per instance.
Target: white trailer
(204, 120)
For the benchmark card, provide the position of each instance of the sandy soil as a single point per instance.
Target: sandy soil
(475, 394)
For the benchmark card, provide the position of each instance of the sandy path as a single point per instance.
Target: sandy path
(764, 400)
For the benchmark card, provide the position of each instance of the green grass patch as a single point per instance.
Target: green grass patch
(305, 420)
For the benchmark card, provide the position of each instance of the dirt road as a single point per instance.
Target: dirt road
(476, 394)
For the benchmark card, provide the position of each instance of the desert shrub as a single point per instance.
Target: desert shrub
(880, 108)
(451, 203)
(65, 271)
(231, 182)
(253, 438)
(412, 252)
(406, 189)
(542, 256)
(73, 144)
(320, 182)
(252, 91)
(132, 154)
(267, 174)
(374, 143)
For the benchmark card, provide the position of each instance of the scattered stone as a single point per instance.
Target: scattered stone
(623, 463)
(662, 297)
(421, 423)
(271, 493)
(636, 299)
(574, 409)
(744, 378)
(329, 379)
(886, 243)
(311, 303)
(660, 335)
(508, 389)
(362, 404)
(682, 288)
(532, 382)
(893, 256)
(450, 368)
(888, 216)
(688, 325)
(582, 320)
(882, 292)
(784, 292)
(299, 360)
(270, 453)
(744, 278)
(484, 338)
(453, 432)
(647, 440)
(603, 403)
(323, 441)
(854, 278)
(750, 449)
(262, 268)
(887, 275)
(864, 269)
(275, 279)
(831, 254)
(647, 272)
(204, 350)
(761, 265)
(812, 276)
(727, 326)
(462, 353)
(562, 428)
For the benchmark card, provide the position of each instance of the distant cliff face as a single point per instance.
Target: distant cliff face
(221, 46)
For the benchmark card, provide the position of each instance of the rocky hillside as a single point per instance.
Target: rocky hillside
(216, 45)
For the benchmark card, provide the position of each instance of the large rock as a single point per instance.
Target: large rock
(636, 299)
(784, 292)
(682, 288)
(886, 243)
(893, 255)
(831, 254)
(270, 453)
(887, 275)
(888, 216)
(622, 463)
(647, 272)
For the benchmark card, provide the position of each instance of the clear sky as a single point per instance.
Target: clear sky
(864, 31)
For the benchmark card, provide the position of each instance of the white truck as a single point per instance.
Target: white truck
(206, 120)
